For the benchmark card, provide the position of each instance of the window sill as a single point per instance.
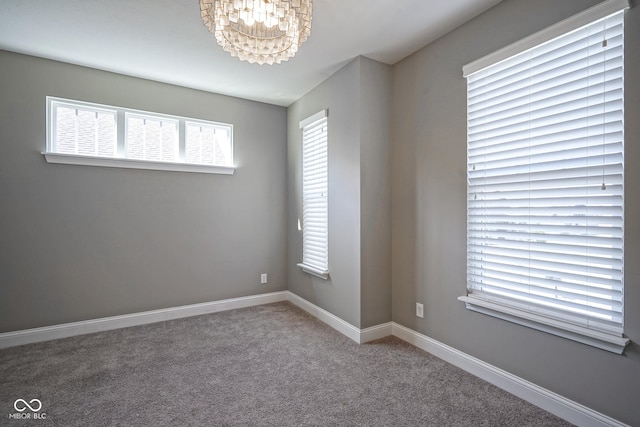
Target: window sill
(111, 162)
(580, 334)
(324, 275)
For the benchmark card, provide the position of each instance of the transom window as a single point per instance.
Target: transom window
(151, 138)
(208, 144)
(101, 135)
(84, 131)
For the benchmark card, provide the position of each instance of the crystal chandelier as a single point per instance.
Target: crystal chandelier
(262, 31)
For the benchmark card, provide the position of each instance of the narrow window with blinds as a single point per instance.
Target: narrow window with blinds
(545, 157)
(83, 133)
(315, 209)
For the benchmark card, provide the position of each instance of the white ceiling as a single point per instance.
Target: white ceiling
(165, 40)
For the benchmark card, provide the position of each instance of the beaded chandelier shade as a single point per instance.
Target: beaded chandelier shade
(262, 31)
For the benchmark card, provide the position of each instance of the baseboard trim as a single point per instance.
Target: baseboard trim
(375, 332)
(47, 333)
(549, 401)
(345, 328)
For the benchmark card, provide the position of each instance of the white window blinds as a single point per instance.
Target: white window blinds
(315, 220)
(151, 138)
(84, 131)
(545, 186)
(208, 144)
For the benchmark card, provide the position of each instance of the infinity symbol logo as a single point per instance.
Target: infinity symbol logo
(26, 405)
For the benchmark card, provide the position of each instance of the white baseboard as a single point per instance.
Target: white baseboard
(47, 333)
(549, 401)
(345, 328)
(360, 336)
(375, 332)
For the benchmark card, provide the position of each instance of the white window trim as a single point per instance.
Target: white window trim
(572, 23)
(317, 116)
(121, 161)
(609, 342)
(114, 162)
(544, 324)
(324, 275)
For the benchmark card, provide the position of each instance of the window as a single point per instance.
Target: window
(99, 135)
(85, 131)
(315, 209)
(151, 138)
(208, 144)
(545, 183)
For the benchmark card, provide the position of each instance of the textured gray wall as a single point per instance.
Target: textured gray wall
(79, 242)
(429, 215)
(340, 294)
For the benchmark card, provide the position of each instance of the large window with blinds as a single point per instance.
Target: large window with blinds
(545, 157)
(102, 135)
(315, 208)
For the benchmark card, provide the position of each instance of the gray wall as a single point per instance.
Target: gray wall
(340, 294)
(375, 192)
(80, 242)
(359, 288)
(429, 215)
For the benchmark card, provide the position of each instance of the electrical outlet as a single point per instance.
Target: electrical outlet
(419, 310)
(263, 278)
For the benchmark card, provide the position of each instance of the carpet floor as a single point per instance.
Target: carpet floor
(270, 365)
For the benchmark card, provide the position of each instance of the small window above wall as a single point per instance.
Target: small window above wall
(83, 130)
(208, 144)
(82, 133)
(151, 138)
